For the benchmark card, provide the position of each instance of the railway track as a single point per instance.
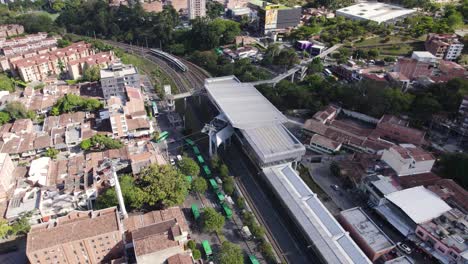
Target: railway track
(193, 79)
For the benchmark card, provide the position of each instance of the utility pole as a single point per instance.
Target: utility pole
(118, 190)
(211, 131)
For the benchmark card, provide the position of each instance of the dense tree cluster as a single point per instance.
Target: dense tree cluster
(100, 142)
(189, 167)
(71, 102)
(368, 97)
(455, 166)
(6, 84)
(212, 220)
(230, 254)
(15, 110)
(274, 55)
(154, 187)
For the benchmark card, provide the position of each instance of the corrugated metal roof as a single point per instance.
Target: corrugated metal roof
(243, 105)
(322, 229)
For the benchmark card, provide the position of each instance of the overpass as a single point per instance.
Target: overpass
(292, 72)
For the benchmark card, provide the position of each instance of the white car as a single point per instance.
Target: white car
(172, 162)
(179, 157)
(405, 248)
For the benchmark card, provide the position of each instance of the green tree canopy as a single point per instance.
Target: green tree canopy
(52, 153)
(4, 118)
(92, 74)
(455, 166)
(228, 185)
(230, 254)
(72, 102)
(5, 228)
(223, 171)
(189, 167)
(132, 194)
(199, 185)
(6, 84)
(212, 220)
(163, 185)
(17, 110)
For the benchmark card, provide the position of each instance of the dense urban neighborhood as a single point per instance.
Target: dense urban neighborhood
(234, 131)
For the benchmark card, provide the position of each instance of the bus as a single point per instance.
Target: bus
(253, 260)
(196, 151)
(227, 211)
(213, 184)
(189, 141)
(220, 196)
(155, 109)
(162, 136)
(207, 248)
(200, 159)
(207, 171)
(195, 212)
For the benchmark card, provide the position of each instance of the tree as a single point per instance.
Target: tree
(316, 66)
(62, 43)
(455, 166)
(58, 5)
(199, 185)
(257, 230)
(189, 167)
(287, 57)
(16, 110)
(214, 9)
(240, 202)
(85, 144)
(21, 226)
(164, 186)
(132, 194)
(55, 111)
(4, 118)
(228, 185)
(5, 228)
(92, 74)
(223, 171)
(36, 22)
(212, 220)
(52, 153)
(215, 162)
(196, 254)
(191, 244)
(335, 169)
(230, 254)
(6, 84)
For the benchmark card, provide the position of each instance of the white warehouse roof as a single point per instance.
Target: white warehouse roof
(420, 204)
(374, 11)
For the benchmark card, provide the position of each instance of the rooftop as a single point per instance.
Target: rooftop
(117, 70)
(375, 11)
(244, 106)
(75, 226)
(367, 229)
(319, 226)
(420, 204)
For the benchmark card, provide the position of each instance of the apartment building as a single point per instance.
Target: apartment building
(463, 111)
(197, 8)
(79, 237)
(407, 159)
(116, 77)
(10, 30)
(39, 67)
(77, 67)
(444, 46)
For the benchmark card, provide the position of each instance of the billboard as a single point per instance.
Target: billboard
(271, 17)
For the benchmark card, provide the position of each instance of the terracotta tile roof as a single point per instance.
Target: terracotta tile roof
(75, 226)
(180, 259)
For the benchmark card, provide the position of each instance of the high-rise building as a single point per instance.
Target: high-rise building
(116, 77)
(197, 8)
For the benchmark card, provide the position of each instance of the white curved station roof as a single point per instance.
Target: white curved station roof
(244, 106)
(420, 204)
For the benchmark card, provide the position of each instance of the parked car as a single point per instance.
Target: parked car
(335, 187)
(172, 162)
(179, 157)
(405, 248)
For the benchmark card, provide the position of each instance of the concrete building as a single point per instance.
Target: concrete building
(156, 236)
(275, 18)
(463, 111)
(10, 30)
(407, 159)
(376, 12)
(196, 8)
(445, 237)
(376, 187)
(7, 177)
(372, 240)
(424, 56)
(76, 68)
(323, 144)
(79, 237)
(116, 77)
(408, 208)
(444, 46)
(249, 119)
